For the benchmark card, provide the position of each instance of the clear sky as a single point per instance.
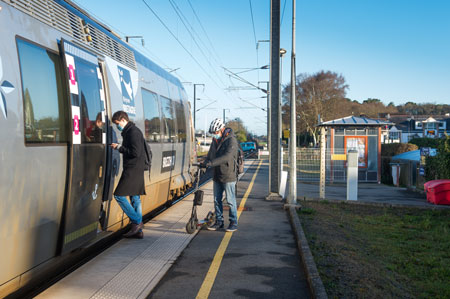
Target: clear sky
(393, 50)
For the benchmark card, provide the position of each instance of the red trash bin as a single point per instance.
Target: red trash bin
(438, 192)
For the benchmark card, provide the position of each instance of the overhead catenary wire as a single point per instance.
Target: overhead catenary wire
(186, 21)
(117, 30)
(254, 34)
(282, 14)
(253, 21)
(180, 43)
(185, 24)
(206, 34)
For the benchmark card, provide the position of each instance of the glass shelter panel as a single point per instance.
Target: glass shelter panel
(373, 153)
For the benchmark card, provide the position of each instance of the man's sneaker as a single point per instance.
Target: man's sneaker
(216, 226)
(232, 227)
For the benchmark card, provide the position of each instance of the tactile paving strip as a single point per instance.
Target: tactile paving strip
(134, 279)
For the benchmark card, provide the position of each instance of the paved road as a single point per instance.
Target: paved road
(261, 260)
(367, 192)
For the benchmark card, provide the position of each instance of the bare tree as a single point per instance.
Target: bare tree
(317, 95)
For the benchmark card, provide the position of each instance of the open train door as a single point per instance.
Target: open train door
(87, 151)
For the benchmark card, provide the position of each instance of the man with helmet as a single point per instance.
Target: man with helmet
(222, 157)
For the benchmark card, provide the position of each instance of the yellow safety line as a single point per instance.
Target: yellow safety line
(208, 282)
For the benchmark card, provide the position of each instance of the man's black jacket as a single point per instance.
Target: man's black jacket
(222, 156)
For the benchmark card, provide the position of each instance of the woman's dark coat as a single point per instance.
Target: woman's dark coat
(132, 179)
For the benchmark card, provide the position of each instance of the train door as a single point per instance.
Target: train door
(87, 151)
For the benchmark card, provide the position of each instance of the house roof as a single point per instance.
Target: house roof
(355, 121)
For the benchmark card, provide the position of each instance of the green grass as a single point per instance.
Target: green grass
(408, 247)
(415, 246)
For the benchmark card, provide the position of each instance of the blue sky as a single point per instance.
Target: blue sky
(396, 51)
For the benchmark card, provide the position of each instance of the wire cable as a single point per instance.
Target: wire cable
(181, 16)
(282, 14)
(253, 21)
(206, 34)
(181, 44)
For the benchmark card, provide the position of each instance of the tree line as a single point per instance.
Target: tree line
(322, 96)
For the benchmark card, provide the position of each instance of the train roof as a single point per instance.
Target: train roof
(139, 57)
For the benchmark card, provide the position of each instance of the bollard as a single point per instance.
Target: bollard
(352, 175)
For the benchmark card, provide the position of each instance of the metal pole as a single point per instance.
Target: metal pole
(223, 115)
(292, 199)
(195, 108)
(268, 118)
(275, 130)
(195, 101)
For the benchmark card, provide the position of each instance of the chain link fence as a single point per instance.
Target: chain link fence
(308, 165)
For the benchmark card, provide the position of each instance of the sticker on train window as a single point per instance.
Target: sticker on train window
(73, 84)
(168, 161)
(127, 90)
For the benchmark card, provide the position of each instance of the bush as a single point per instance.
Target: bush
(438, 167)
(426, 142)
(389, 150)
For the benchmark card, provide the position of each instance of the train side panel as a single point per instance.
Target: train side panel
(38, 149)
(32, 174)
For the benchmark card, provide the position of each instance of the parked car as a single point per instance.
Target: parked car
(248, 146)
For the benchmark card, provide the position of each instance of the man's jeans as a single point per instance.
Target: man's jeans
(229, 189)
(133, 210)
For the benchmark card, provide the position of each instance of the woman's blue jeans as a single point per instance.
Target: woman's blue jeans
(133, 210)
(229, 189)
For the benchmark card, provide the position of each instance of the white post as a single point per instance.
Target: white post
(352, 175)
(293, 136)
(322, 162)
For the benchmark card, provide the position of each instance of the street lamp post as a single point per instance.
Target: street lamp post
(195, 100)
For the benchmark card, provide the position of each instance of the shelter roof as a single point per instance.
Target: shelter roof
(355, 121)
(411, 155)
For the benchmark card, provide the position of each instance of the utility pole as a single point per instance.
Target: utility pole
(195, 100)
(275, 129)
(292, 199)
(224, 114)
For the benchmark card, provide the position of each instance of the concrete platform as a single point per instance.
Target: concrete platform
(259, 260)
(368, 193)
(131, 268)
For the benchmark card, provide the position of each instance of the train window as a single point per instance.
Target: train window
(181, 121)
(90, 103)
(168, 116)
(152, 117)
(43, 89)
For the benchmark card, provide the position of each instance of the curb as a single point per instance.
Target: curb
(312, 275)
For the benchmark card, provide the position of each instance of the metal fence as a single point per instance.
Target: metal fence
(308, 164)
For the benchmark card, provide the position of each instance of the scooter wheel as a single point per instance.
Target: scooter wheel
(191, 227)
(211, 217)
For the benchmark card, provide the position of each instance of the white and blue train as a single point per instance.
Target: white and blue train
(62, 76)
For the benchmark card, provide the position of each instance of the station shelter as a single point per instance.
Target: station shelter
(354, 133)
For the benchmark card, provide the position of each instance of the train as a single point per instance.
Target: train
(62, 76)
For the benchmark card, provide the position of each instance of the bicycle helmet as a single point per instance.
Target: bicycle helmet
(216, 125)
